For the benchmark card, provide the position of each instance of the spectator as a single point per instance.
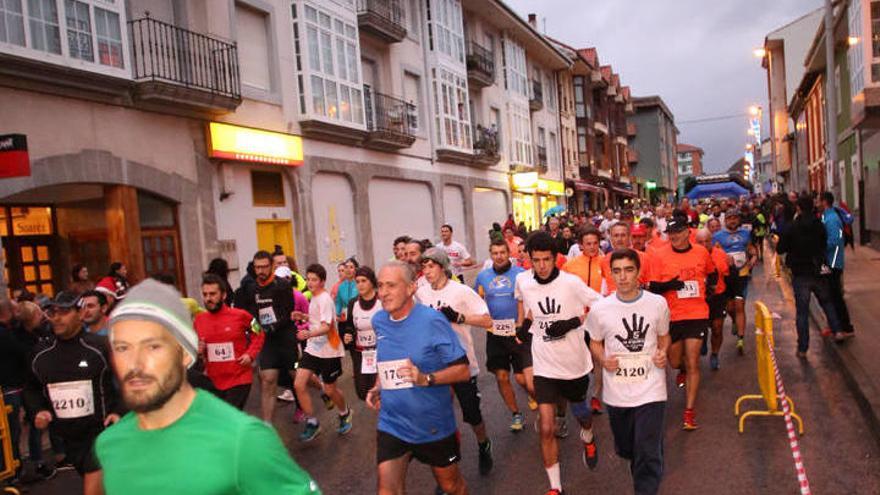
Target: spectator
(835, 221)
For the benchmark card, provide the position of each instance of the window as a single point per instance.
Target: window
(520, 134)
(515, 71)
(79, 30)
(332, 70)
(451, 109)
(445, 29)
(414, 31)
(109, 37)
(253, 46)
(11, 22)
(579, 106)
(43, 23)
(552, 150)
(550, 90)
(855, 51)
(838, 88)
(582, 138)
(268, 188)
(412, 94)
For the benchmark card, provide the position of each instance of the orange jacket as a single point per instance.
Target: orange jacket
(588, 268)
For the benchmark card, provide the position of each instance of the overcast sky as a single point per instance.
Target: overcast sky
(695, 54)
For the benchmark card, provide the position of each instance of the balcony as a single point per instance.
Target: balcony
(480, 66)
(631, 129)
(485, 152)
(391, 122)
(541, 159)
(632, 156)
(181, 69)
(536, 102)
(382, 19)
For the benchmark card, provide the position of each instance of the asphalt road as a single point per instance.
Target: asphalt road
(839, 453)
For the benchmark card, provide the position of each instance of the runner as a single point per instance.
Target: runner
(459, 257)
(178, 439)
(633, 358)
(742, 257)
(322, 356)
(270, 301)
(463, 308)
(684, 277)
(230, 339)
(359, 333)
(93, 310)
(717, 301)
(70, 387)
(496, 285)
(588, 264)
(399, 247)
(554, 304)
(414, 250)
(619, 235)
(419, 357)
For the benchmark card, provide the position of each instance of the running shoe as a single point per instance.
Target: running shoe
(826, 332)
(286, 395)
(713, 362)
(328, 402)
(299, 416)
(311, 431)
(591, 454)
(740, 346)
(344, 423)
(486, 462)
(554, 491)
(689, 420)
(64, 465)
(533, 404)
(561, 427)
(596, 405)
(45, 472)
(517, 422)
(681, 379)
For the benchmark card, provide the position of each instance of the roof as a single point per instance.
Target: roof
(688, 148)
(590, 55)
(606, 73)
(647, 102)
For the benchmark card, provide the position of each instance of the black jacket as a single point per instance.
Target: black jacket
(803, 241)
(15, 347)
(85, 357)
(278, 295)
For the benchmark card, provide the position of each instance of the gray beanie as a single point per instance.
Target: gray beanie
(154, 301)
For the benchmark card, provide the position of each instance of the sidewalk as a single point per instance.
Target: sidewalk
(859, 359)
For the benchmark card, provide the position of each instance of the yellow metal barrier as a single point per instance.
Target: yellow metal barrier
(10, 463)
(766, 373)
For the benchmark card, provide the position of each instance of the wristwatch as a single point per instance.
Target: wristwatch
(429, 379)
(461, 318)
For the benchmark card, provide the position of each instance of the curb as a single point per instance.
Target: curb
(865, 393)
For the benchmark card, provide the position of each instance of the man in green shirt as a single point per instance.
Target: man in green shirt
(176, 438)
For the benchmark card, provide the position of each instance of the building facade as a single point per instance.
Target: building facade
(690, 164)
(654, 141)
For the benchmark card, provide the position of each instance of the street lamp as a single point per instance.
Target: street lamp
(755, 110)
(759, 52)
(852, 40)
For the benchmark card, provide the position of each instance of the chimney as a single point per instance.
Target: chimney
(533, 21)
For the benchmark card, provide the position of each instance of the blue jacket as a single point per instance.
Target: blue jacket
(834, 219)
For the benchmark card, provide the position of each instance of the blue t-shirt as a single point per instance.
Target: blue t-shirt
(498, 291)
(425, 337)
(733, 242)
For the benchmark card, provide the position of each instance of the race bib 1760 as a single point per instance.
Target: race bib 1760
(72, 399)
(633, 367)
(220, 352)
(389, 376)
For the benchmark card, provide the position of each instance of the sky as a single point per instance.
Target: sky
(695, 54)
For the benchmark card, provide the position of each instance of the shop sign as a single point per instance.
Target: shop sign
(245, 144)
(551, 187)
(524, 182)
(14, 159)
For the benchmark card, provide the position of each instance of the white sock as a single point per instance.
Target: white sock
(586, 435)
(554, 477)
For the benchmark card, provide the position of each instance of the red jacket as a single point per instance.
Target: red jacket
(227, 336)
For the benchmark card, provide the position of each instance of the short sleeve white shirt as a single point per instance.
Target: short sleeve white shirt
(462, 299)
(322, 310)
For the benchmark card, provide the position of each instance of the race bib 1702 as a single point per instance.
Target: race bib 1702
(72, 399)
(633, 367)
(220, 352)
(366, 338)
(389, 376)
(504, 328)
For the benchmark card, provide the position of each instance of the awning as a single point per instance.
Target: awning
(581, 185)
(718, 189)
(623, 191)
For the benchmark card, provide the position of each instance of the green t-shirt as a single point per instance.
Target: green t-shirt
(213, 449)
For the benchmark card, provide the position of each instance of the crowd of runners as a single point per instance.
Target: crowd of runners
(133, 381)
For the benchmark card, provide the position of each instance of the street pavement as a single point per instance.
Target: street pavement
(839, 452)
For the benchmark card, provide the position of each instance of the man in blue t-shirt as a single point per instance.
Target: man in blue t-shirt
(742, 256)
(418, 356)
(503, 351)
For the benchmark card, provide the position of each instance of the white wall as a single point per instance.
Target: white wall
(453, 209)
(490, 206)
(335, 231)
(399, 207)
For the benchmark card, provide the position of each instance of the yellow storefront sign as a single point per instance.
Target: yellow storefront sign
(253, 145)
(529, 182)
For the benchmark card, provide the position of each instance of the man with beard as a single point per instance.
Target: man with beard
(71, 387)
(176, 437)
(230, 340)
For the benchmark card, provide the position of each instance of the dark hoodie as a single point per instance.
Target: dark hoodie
(804, 243)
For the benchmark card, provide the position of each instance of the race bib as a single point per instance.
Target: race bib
(72, 399)
(220, 353)
(267, 316)
(366, 339)
(368, 362)
(633, 367)
(388, 377)
(504, 328)
(690, 290)
(739, 258)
